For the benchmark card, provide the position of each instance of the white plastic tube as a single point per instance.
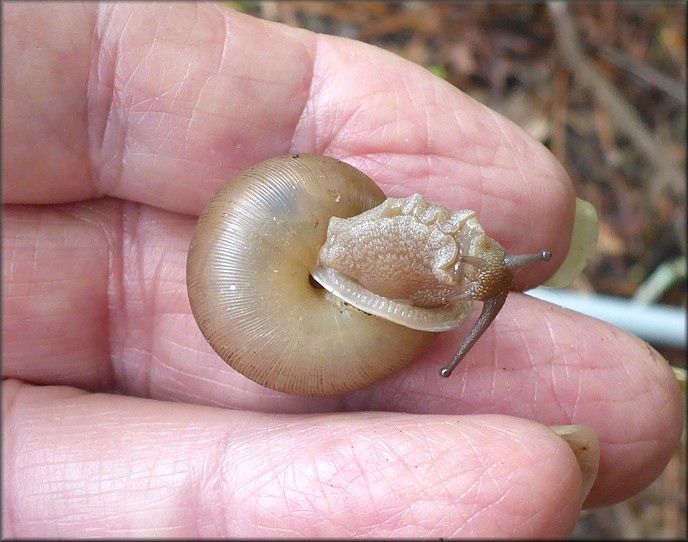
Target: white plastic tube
(657, 324)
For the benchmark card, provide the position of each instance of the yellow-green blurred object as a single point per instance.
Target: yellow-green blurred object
(586, 229)
(439, 71)
(242, 6)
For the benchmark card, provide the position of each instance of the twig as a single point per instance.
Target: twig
(671, 87)
(620, 111)
(665, 276)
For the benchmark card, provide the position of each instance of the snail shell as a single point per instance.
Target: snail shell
(262, 239)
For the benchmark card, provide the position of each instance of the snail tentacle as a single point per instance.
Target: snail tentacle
(491, 307)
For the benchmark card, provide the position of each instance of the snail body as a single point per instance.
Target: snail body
(302, 311)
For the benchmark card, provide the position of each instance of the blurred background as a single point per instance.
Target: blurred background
(603, 86)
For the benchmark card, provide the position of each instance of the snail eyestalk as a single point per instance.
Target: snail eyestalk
(491, 307)
(516, 262)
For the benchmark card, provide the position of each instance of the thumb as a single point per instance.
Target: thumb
(101, 465)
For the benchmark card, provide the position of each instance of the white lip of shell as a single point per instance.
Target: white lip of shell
(435, 319)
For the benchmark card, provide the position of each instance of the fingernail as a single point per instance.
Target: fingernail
(586, 228)
(585, 445)
(680, 375)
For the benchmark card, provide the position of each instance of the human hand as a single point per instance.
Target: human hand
(119, 420)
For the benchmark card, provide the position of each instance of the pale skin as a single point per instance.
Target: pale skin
(119, 420)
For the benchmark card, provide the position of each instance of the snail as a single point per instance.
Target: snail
(304, 278)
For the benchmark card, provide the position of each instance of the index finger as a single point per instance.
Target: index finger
(161, 104)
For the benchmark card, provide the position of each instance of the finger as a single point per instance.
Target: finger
(47, 157)
(554, 366)
(59, 264)
(79, 464)
(537, 361)
(178, 102)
